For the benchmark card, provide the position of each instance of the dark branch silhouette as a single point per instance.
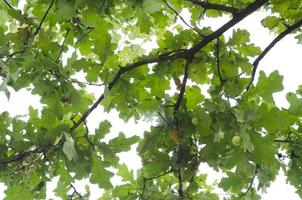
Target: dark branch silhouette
(250, 184)
(182, 19)
(8, 4)
(269, 47)
(63, 43)
(183, 85)
(218, 62)
(214, 6)
(43, 18)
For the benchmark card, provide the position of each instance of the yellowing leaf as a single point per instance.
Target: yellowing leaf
(68, 148)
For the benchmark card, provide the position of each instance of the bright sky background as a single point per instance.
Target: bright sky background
(285, 57)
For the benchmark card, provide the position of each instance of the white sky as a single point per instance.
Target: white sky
(285, 57)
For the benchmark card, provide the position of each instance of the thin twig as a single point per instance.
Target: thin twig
(251, 183)
(164, 119)
(75, 192)
(158, 176)
(8, 4)
(81, 38)
(14, 53)
(182, 19)
(25, 154)
(26, 165)
(63, 43)
(86, 134)
(43, 18)
(269, 47)
(85, 83)
(149, 179)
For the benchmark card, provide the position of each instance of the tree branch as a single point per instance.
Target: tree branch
(25, 154)
(251, 183)
(214, 6)
(176, 121)
(81, 38)
(152, 178)
(180, 189)
(75, 193)
(244, 13)
(164, 119)
(218, 62)
(181, 18)
(175, 54)
(43, 18)
(63, 43)
(8, 4)
(87, 134)
(118, 75)
(183, 85)
(269, 47)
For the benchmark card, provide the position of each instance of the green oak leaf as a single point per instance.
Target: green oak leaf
(18, 192)
(266, 86)
(99, 174)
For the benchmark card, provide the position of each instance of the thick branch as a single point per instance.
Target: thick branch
(176, 121)
(218, 62)
(214, 6)
(270, 46)
(117, 76)
(180, 188)
(180, 54)
(183, 85)
(177, 55)
(244, 13)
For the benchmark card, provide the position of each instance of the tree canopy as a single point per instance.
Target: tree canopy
(234, 126)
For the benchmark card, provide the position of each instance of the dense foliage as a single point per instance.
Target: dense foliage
(234, 126)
